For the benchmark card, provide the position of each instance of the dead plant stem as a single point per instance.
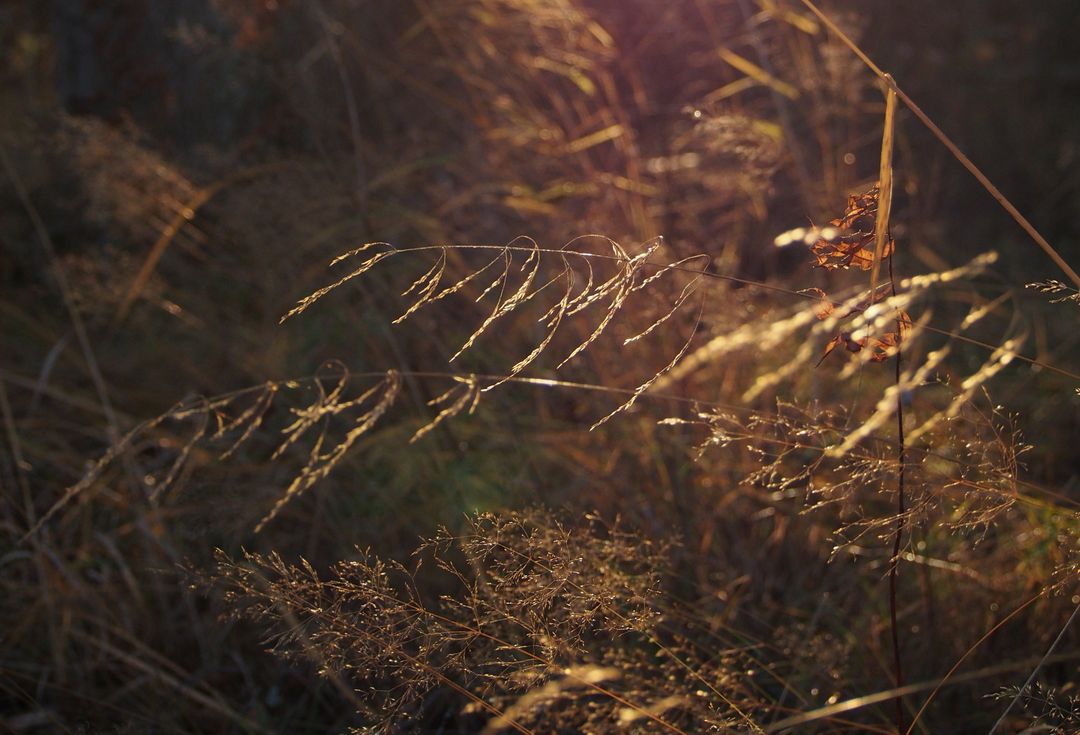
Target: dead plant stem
(900, 516)
(112, 425)
(884, 248)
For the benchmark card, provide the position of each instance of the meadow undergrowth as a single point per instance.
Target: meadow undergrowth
(670, 480)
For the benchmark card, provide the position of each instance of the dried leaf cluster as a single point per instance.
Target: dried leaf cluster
(854, 248)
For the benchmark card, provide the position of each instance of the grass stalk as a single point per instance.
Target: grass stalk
(881, 241)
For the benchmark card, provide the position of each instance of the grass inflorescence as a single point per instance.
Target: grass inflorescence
(301, 434)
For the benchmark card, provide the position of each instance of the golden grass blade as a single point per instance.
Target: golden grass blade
(252, 417)
(644, 387)
(993, 365)
(554, 322)
(687, 290)
(755, 72)
(531, 267)
(623, 284)
(320, 464)
(586, 142)
(886, 405)
(468, 395)
(885, 187)
(303, 304)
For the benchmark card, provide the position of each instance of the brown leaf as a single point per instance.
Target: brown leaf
(882, 348)
(828, 348)
(859, 206)
(887, 345)
(855, 249)
(825, 308)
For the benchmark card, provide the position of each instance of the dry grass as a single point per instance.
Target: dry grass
(669, 479)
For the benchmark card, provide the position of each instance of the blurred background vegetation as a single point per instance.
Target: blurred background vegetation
(178, 174)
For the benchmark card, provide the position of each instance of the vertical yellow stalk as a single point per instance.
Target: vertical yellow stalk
(885, 190)
(881, 237)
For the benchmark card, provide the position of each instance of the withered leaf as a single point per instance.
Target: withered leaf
(882, 348)
(859, 206)
(826, 308)
(856, 248)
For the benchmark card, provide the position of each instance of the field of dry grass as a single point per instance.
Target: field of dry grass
(489, 366)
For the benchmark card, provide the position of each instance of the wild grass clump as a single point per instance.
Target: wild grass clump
(540, 628)
(775, 454)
